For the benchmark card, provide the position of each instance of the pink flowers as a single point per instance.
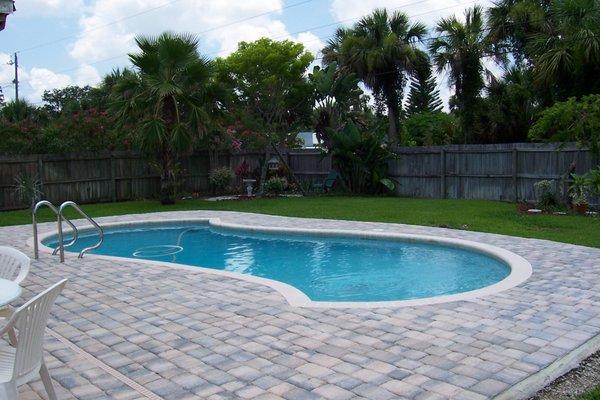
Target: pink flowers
(236, 145)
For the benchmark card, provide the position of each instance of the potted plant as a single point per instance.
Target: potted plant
(578, 193)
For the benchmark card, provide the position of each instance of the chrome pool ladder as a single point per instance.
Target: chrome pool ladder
(60, 218)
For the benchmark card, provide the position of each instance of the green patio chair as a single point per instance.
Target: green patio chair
(328, 183)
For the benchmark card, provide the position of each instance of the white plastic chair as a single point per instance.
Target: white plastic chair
(22, 363)
(14, 265)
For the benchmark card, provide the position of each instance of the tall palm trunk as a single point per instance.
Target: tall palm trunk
(391, 102)
(167, 178)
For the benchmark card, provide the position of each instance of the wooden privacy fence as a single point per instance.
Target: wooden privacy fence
(120, 176)
(504, 172)
(494, 172)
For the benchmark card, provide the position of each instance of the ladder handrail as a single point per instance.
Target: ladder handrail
(51, 206)
(74, 205)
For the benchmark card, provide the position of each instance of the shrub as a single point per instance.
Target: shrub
(578, 189)
(220, 178)
(431, 128)
(276, 185)
(547, 198)
(593, 177)
(361, 157)
(571, 121)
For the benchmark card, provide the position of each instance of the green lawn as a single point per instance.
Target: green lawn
(476, 215)
(594, 394)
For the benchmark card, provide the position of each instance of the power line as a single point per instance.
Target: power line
(154, 9)
(336, 23)
(339, 22)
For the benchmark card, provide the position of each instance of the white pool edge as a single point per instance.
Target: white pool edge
(520, 268)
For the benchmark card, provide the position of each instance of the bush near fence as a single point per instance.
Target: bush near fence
(503, 172)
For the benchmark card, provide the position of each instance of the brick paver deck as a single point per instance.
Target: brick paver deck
(127, 330)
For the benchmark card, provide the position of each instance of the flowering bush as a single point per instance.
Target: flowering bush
(243, 170)
(276, 185)
(220, 178)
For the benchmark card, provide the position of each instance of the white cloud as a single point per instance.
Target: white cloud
(427, 11)
(311, 42)
(6, 71)
(98, 41)
(55, 8)
(87, 75)
(41, 79)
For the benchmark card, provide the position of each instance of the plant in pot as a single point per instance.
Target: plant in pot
(578, 193)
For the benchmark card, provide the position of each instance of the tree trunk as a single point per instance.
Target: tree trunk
(391, 102)
(263, 172)
(167, 179)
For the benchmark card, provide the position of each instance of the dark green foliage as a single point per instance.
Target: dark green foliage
(423, 95)
(336, 96)
(361, 159)
(432, 128)
(72, 99)
(570, 121)
(509, 108)
(276, 185)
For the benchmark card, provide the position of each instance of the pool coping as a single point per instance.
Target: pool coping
(521, 269)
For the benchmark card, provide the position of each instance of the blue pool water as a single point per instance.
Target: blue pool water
(324, 268)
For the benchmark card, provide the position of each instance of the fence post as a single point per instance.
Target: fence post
(113, 180)
(515, 171)
(443, 173)
(40, 172)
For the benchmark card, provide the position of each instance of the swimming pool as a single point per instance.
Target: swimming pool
(325, 268)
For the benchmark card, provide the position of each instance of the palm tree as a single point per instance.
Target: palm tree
(512, 22)
(381, 49)
(16, 111)
(335, 95)
(460, 48)
(167, 100)
(566, 51)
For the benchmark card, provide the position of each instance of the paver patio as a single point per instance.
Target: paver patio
(135, 331)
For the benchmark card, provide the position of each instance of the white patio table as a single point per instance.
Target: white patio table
(9, 292)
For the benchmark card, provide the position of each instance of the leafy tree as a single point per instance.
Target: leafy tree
(167, 101)
(461, 47)
(571, 121)
(336, 93)
(69, 99)
(432, 128)
(423, 95)
(381, 49)
(566, 51)
(268, 85)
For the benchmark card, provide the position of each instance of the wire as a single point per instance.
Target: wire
(336, 23)
(154, 9)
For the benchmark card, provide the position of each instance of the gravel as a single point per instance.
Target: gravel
(574, 383)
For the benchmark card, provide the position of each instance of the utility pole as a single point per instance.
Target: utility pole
(15, 62)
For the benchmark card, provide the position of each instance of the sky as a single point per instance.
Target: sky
(76, 42)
